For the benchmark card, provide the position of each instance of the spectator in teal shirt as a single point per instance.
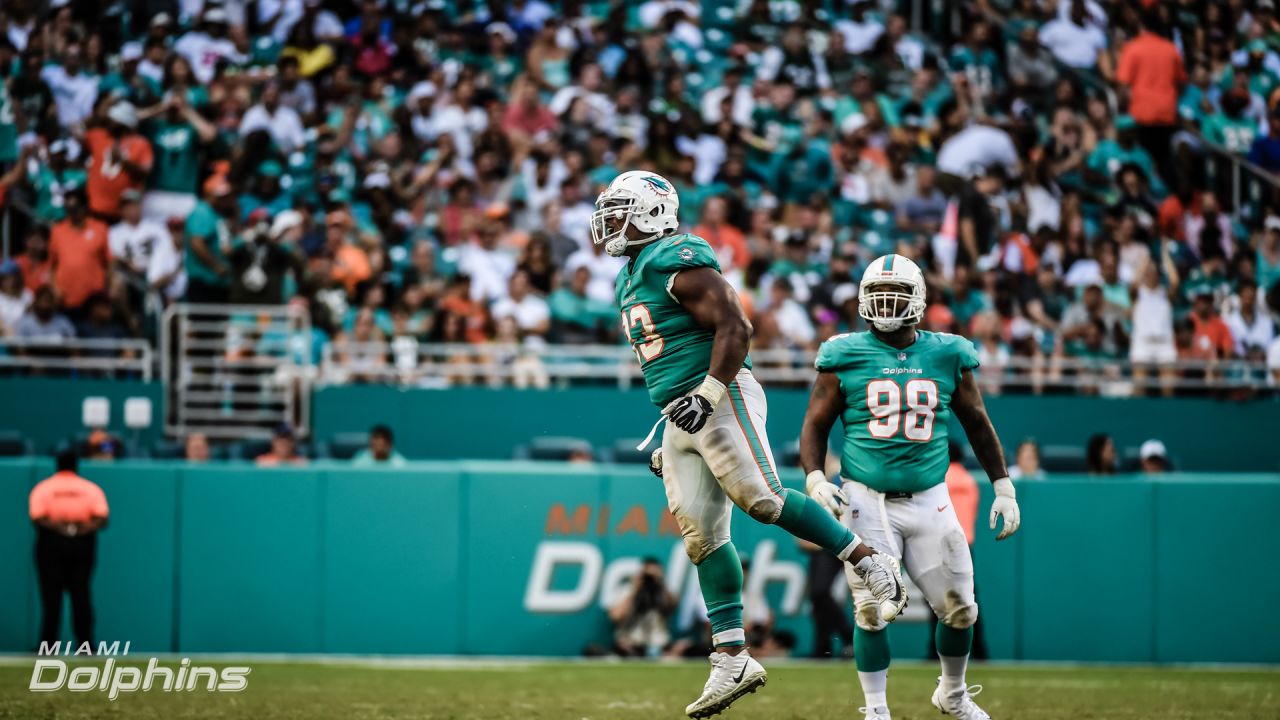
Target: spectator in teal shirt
(267, 191)
(210, 234)
(54, 179)
(177, 134)
(575, 317)
(127, 83)
(1109, 156)
(381, 451)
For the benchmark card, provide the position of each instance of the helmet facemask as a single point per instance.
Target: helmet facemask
(615, 213)
(889, 305)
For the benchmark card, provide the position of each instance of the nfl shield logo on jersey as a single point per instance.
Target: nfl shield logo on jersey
(853, 513)
(902, 357)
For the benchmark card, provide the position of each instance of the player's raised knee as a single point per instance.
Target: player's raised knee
(868, 618)
(960, 616)
(765, 509)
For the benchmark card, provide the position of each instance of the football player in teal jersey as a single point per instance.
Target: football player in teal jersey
(894, 388)
(691, 336)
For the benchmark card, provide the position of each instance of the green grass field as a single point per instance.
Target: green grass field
(595, 691)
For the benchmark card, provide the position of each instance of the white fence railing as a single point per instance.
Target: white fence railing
(236, 371)
(79, 356)
(407, 362)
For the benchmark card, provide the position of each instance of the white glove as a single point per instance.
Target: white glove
(655, 462)
(1005, 506)
(826, 493)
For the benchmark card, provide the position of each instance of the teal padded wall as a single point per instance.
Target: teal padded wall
(1203, 435)
(438, 558)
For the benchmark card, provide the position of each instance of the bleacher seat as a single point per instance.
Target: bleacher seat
(167, 450)
(551, 448)
(790, 457)
(1063, 459)
(624, 451)
(14, 444)
(344, 446)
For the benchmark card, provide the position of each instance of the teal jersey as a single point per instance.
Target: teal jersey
(51, 186)
(674, 350)
(897, 405)
(8, 126)
(1235, 134)
(205, 222)
(177, 156)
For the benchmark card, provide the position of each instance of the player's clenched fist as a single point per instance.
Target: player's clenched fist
(690, 412)
(826, 493)
(1005, 506)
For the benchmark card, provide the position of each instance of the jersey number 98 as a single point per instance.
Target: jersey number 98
(884, 401)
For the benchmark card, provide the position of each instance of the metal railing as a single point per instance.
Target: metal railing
(78, 356)
(409, 363)
(236, 371)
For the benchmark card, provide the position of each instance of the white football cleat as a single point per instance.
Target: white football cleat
(732, 676)
(959, 703)
(884, 580)
(879, 712)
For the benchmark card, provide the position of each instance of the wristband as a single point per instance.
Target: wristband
(711, 389)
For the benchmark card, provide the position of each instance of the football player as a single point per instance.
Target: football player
(691, 336)
(894, 388)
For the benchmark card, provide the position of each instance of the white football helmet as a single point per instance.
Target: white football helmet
(903, 304)
(640, 198)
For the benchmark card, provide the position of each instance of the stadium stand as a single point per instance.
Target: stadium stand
(1088, 185)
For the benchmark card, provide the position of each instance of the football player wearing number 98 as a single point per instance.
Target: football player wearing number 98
(894, 388)
(691, 336)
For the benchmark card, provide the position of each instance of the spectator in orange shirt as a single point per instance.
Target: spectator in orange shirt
(79, 255)
(727, 240)
(350, 262)
(284, 449)
(1211, 335)
(461, 319)
(68, 511)
(1151, 69)
(963, 490)
(120, 159)
(34, 260)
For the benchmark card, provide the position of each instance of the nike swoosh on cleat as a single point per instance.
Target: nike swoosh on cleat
(741, 674)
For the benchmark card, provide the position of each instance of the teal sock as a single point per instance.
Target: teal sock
(804, 517)
(720, 577)
(952, 642)
(871, 649)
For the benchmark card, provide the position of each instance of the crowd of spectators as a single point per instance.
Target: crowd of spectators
(417, 172)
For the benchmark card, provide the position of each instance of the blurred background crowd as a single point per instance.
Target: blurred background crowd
(423, 172)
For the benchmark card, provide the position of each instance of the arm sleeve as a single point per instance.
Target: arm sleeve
(966, 356)
(1124, 73)
(828, 359)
